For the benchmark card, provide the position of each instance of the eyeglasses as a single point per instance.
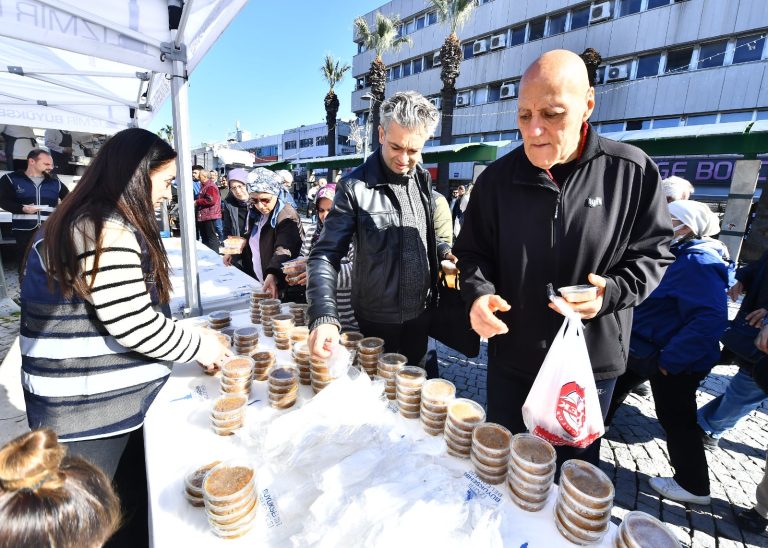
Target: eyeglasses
(263, 201)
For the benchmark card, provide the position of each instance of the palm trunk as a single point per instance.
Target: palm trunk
(450, 55)
(378, 77)
(331, 110)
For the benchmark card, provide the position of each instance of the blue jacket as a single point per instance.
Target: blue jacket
(687, 313)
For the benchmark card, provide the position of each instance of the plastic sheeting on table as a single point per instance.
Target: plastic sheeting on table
(338, 469)
(221, 287)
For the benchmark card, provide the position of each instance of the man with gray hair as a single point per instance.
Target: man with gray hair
(676, 188)
(385, 207)
(287, 178)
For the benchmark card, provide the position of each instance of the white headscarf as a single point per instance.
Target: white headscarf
(696, 216)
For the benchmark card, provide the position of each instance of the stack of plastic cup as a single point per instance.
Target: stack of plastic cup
(490, 452)
(283, 386)
(351, 340)
(298, 334)
(219, 320)
(639, 529)
(224, 339)
(583, 507)
(301, 359)
(236, 375)
(320, 374)
(193, 483)
(462, 418)
(229, 492)
(293, 269)
(228, 414)
(531, 471)
(408, 383)
(368, 351)
(262, 363)
(299, 312)
(435, 395)
(257, 295)
(269, 309)
(389, 364)
(281, 327)
(246, 340)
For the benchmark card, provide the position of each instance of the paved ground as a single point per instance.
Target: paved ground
(633, 451)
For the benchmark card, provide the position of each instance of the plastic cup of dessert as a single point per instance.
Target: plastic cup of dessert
(410, 377)
(228, 406)
(639, 529)
(575, 534)
(582, 509)
(438, 391)
(522, 503)
(531, 479)
(228, 483)
(370, 345)
(578, 293)
(351, 339)
(587, 484)
(587, 524)
(246, 334)
(465, 413)
(533, 454)
(193, 479)
(492, 440)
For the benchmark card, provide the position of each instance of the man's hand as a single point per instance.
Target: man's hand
(270, 286)
(227, 260)
(755, 318)
(735, 291)
(451, 257)
(589, 309)
(761, 342)
(29, 209)
(482, 318)
(322, 339)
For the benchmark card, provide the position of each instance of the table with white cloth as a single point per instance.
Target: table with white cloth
(314, 488)
(221, 287)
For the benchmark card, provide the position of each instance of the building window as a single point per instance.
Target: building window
(744, 116)
(510, 136)
(749, 48)
(517, 36)
(712, 54)
(635, 125)
(468, 51)
(428, 61)
(417, 65)
(580, 18)
(648, 65)
(665, 122)
(628, 7)
(400, 30)
(494, 92)
(557, 24)
(306, 143)
(289, 145)
(762, 115)
(406, 69)
(431, 18)
(657, 3)
(701, 119)
(599, 75)
(360, 48)
(536, 29)
(342, 139)
(611, 127)
(461, 140)
(395, 72)
(679, 60)
(421, 22)
(321, 141)
(410, 26)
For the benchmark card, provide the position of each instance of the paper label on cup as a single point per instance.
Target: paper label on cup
(268, 509)
(477, 488)
(392, 405)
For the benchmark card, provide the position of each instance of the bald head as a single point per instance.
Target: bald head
(555, 100)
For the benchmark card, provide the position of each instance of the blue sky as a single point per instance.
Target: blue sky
(265, 69)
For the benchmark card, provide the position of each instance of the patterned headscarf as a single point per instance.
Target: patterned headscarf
(263, 180)
(328, 191)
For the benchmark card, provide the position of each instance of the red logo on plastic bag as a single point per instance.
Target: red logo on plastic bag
(570, 408)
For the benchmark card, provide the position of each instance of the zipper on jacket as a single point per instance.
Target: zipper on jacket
(37, 191)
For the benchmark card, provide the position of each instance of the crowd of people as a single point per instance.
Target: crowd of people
(568, 207)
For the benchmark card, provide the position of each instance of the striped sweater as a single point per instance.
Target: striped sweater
(344, 285)
(92, 367)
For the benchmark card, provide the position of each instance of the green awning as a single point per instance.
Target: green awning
(464, 152)
(274, 166)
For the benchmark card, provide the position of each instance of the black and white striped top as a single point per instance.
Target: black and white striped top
(91, 368)
(344, 285)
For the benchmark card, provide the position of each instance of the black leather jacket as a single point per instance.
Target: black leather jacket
(366, 209)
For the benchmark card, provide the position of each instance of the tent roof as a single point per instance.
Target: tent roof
(98, 67)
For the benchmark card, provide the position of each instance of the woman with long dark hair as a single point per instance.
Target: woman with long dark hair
(95, 351)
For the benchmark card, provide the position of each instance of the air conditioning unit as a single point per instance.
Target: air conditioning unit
(508, 91)
(600, 12)
(480, 46)
(436, 59)
(437, 101)
(617, 72)
(498, 41)
(463, 99)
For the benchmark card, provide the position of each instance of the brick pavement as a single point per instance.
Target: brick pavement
(635, 450)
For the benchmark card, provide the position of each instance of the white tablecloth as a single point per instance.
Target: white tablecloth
(221, 287)
(178, 436)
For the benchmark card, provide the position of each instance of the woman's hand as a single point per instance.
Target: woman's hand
(298, 279)
(227, 260)
(735, 291)
(270, 286)
(216, 354)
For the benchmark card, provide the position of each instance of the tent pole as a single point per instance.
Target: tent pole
(180, 106)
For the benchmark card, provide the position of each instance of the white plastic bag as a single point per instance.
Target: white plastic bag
(562, 406)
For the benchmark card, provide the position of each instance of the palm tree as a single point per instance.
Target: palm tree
(455, 13)
(381, 38)
(333, 71)
(166, 133)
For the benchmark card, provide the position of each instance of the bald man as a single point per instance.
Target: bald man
(568, 207)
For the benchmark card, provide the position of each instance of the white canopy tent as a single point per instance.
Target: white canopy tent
(104, 65)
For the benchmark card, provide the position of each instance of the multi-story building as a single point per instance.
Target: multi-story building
(666, 63)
